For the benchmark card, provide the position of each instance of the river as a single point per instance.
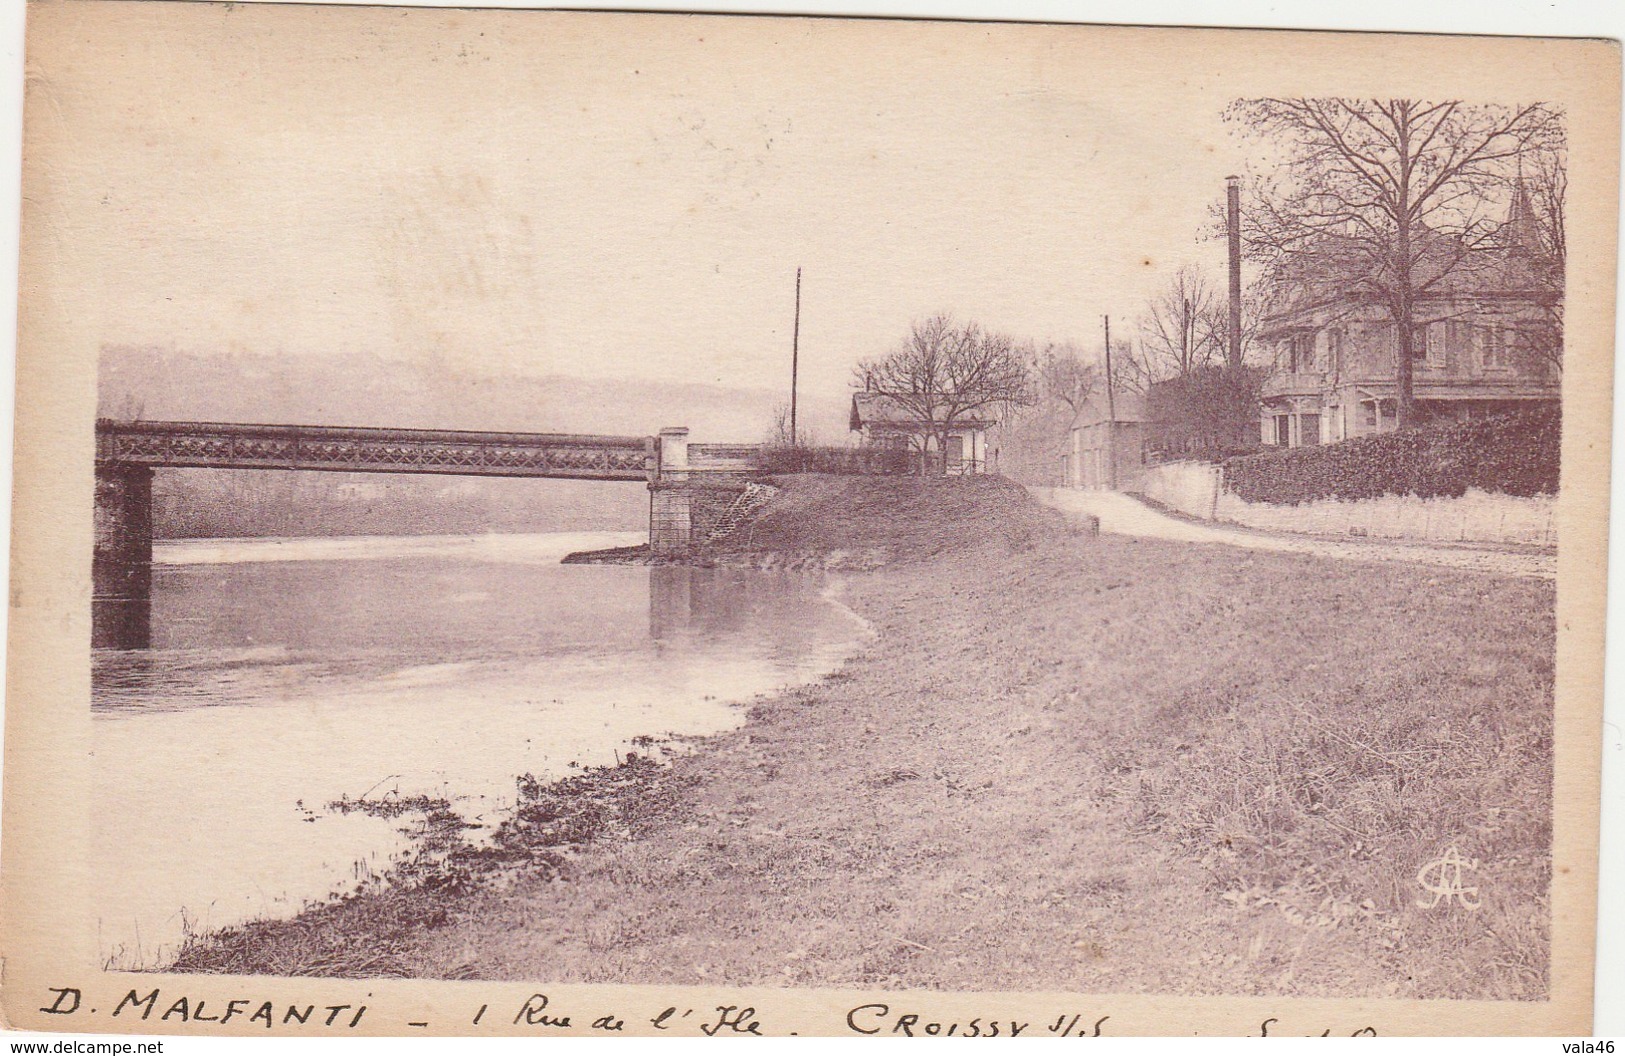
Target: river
(287, 674)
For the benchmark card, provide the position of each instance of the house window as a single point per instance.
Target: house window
(1427, 345)
(1308, 429)
(1283, 430)
(1422, 342)
(1334, 350)
(1303, 352)
(1368, 414)
(1493, 352)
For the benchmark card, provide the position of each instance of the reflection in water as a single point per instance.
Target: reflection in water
(671, 601)
(120, 623)
(273, 688)
(686, 601)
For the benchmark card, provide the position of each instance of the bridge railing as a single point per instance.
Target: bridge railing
(846, 461)
(724, 458)
(369, 449)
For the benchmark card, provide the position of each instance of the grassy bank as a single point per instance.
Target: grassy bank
(1065, 763)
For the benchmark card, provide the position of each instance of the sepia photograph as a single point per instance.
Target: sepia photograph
(758, 525)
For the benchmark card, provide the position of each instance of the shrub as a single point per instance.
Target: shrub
(1516, 454)
(1204, 411)
(844, 461)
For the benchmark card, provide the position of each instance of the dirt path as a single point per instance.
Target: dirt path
(1124, 515)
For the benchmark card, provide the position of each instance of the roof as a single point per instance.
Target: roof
(1128, 407)
(1334, 268)
(879, 408)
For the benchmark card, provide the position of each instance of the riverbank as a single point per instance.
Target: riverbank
(1065, 763)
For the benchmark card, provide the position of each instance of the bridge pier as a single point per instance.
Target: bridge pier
(671, 512)
(671, 502)
(121, 567)
(692, 488)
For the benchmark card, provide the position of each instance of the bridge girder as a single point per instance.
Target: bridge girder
(345, 449)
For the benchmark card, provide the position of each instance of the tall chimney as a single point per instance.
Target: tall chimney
(1233, 227)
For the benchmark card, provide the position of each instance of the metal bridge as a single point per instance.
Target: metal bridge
(691, 486)
(220, 445)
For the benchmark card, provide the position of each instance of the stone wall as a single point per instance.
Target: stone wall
(1196, 489)
(723, 458)
(710, 501)
(683, 514)
(1190, 487)
(694, 487)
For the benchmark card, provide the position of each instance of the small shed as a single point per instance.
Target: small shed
(1107, 449)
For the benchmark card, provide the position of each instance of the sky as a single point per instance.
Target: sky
(630, 196)
(624, 197)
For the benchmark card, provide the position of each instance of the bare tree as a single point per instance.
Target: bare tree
(1184, 326)
(1133, 369)
(1547, 188)
(1065, 379)
(1036, 438)
(947, 373)
(1398, 189)
(778, 432)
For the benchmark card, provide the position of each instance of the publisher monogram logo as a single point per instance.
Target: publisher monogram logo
(1442, 877)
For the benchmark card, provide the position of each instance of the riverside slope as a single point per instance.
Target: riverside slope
(1066, 762)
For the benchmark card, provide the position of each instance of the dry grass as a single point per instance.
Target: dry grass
(1066, 763)
(871, 522)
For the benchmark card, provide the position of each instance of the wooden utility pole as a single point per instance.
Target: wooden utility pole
(1187, 337)
(795, 356)
(1111, 412)
(1232, 195)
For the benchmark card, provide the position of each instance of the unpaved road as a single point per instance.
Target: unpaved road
(1124, 515)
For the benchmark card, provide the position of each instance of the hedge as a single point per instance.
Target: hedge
(848, 461)
(1516, 454)
(1206, 411)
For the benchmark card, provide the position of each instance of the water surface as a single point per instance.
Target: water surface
(287, 674)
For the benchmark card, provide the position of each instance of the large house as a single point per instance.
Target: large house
(886, 421)
(1485, 339)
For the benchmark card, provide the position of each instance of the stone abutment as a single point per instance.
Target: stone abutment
(121, 567)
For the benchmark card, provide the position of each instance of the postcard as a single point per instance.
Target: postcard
(544, 523)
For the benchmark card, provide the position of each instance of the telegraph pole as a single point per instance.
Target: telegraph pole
(1232, 209)
(795, 356)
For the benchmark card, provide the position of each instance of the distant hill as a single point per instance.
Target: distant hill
(358, 389)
